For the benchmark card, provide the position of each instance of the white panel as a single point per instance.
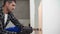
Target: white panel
(32, 14)
(51, 16)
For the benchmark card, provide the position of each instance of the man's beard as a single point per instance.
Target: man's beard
(9, 11)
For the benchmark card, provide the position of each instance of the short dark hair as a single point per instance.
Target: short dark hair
(4, 2)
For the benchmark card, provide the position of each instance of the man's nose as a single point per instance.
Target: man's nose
(13, 7)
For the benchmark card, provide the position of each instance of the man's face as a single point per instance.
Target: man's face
(11, 6)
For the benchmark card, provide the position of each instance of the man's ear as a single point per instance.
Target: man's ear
(7, 3)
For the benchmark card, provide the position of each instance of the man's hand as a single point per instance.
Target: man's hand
(27, 29)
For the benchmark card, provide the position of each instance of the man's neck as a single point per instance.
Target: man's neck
(5, 10)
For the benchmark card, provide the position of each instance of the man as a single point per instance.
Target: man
(6, 15)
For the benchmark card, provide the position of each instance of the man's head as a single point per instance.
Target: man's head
(9, 4)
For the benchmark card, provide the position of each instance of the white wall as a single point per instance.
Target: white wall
(37, 2)
(51, 16)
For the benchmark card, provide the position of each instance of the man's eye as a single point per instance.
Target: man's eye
(13, 5)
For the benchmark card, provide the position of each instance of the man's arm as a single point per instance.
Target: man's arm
(17, 23)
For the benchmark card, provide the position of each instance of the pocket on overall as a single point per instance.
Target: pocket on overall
(13, 29)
